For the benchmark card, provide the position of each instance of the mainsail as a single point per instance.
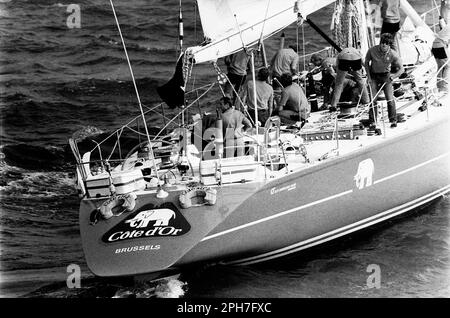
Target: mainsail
(229, 25)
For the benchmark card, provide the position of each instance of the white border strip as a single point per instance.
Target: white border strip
(343, 230)
(318, 201)
(277, 215)
(412, 168)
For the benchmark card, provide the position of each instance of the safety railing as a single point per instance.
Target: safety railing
(430, 17)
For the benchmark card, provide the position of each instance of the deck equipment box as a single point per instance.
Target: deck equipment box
(124, 182)
(228, 170)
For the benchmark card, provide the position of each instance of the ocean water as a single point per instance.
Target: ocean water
(55, 80)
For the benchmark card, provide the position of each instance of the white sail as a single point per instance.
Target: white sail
(232, 24)
(423, 29)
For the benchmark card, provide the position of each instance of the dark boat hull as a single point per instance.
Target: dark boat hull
(254, 222)
(325, 202)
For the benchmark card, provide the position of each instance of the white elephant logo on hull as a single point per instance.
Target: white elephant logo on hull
(364, 175)
(149, 222)
(160, 216)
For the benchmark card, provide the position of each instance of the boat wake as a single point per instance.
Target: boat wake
(166, 288)
(93, 287)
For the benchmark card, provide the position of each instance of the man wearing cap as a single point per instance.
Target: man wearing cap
(349, 62)
(380, 59)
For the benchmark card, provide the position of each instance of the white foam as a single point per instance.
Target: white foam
(172, 288)
(164, 288)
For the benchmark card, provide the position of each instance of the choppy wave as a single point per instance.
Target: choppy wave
(91, 287)
(18, 44)
(61, 158)
(37, 157)
(108, 89)
(21, 183)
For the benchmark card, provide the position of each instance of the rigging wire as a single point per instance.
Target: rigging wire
(210, 86)
(297, 45)
(195, 23)
(303, 46)
(240, 32)
(265, 19)
(136, 89)
(261, 37)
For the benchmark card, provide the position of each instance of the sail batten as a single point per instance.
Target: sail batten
(231, 24)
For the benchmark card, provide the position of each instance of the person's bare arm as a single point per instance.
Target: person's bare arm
(397, 62)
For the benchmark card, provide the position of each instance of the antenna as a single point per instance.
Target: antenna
(180, 28)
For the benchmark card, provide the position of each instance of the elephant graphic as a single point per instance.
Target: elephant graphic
(160, 216)
(363, 178)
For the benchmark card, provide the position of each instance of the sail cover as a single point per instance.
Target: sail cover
(229, 25)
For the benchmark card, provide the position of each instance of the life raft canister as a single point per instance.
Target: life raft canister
(198, 196)
(127, 202)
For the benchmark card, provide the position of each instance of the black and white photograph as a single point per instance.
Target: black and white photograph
(229, 150)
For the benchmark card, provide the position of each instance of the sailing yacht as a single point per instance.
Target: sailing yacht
(174, 200)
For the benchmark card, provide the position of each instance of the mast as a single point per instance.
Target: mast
(365, 44)
(180, 39)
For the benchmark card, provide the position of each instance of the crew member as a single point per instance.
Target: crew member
(237, 65)
(440, 51)
(380, 60)
(284, 61)
(349, 62)
(328, 68)
(264, 96)
(390, 13)
(294, 105)
(234, 124)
